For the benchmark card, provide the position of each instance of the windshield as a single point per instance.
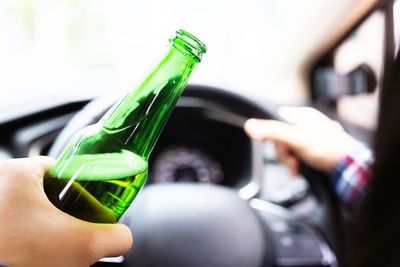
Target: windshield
(56, 51)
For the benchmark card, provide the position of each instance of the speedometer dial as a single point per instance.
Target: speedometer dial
(181, 163)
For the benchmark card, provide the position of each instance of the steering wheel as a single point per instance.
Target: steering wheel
(209, 225)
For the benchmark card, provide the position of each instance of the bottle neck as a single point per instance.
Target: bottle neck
(139, 117)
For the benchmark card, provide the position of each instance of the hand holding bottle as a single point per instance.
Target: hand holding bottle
(35, 233)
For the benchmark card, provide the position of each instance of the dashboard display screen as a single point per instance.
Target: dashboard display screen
(182, 163)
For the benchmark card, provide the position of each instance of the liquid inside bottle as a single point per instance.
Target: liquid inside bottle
(100, 189)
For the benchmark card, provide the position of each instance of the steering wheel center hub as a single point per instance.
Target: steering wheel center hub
(194, 225)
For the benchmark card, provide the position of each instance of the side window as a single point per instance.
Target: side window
(345, 83)
(360, 58)
(396, 20)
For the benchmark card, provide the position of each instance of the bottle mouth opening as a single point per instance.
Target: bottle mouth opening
(189, 43)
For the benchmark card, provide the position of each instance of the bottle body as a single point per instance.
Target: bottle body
(104, 166)
(94, 184)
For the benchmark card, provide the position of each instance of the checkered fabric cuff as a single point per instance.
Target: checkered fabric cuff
(351, 176)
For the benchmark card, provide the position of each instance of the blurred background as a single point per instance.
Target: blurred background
(54, 51)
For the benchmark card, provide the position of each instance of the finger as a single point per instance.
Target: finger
(282, 151)
(287, 158)
(272, 130)
(26, 168)
(43, 164)
(284, 156)
(293, 165)
(303, 115)
(110, 240)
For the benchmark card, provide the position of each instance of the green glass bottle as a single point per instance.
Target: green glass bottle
(104, 166)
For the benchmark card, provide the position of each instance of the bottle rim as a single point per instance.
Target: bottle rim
(189, 43)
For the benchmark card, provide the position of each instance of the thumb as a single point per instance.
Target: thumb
(272, 130)
(110, 240)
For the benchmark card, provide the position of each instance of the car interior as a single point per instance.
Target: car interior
(214, 197)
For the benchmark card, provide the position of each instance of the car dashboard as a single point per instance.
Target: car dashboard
(203, 142)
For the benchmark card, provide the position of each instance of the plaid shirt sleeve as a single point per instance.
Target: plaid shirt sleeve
(351, 177)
